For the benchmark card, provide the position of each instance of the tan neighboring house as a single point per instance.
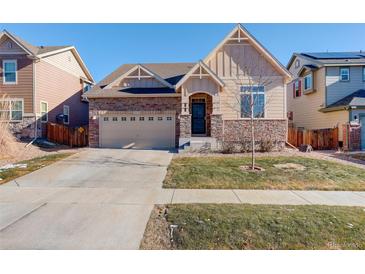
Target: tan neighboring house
(43, 83)
(166, 105)
(328, 91)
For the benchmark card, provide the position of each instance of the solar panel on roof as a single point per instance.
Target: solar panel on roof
(335, 55)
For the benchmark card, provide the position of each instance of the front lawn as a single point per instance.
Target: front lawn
(227, 226)
(32, 165)
(225, 172)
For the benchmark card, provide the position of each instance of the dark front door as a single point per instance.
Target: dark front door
(198, 118)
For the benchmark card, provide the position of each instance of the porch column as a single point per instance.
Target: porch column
(184, 117)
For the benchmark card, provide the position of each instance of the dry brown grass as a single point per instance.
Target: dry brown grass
(7, 139)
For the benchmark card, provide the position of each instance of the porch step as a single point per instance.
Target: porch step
(198, 144)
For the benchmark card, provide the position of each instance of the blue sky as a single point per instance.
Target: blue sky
(104, 47)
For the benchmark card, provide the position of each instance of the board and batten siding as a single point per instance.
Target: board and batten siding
(67, 62)
(336, 89)
(23, 89)
(305, 108)
(58, 87)
(230, 62)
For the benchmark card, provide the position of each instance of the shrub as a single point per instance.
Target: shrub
(266, 146)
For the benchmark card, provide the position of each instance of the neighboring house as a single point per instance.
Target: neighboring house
(43, 83)
(173, 104)
(328, 91)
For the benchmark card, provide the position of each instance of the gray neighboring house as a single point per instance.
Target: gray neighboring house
(328, 91)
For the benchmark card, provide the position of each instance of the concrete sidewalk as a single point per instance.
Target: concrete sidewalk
(277, 197)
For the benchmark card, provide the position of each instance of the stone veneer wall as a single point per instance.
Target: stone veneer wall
(185, 125)
(238, 131)
(217, 126)
(24, 129)
(355, 137)
(101, 106)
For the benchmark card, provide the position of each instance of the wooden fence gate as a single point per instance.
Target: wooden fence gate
(318, 139)
(73, 137)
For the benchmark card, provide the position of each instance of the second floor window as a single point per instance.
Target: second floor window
(344, 74)
(308, 82)
(297, 92)
(9, 71)
(253, 95)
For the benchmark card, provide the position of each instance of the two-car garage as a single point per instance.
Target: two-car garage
(140, 130)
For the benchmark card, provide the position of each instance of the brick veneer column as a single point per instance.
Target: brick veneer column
(217, 126)
(185, 125)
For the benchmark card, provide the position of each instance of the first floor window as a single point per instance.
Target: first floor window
(11, 110)
(308, 83)
(252, 96)
(9, 71)
(66, 114)
(345, 74)
(44, 112)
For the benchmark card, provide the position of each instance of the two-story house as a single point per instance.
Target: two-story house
(43, 84)
(328, 91)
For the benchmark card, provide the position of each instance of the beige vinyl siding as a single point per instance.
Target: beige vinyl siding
(232, 60)
(67, 62)
(274, 99)
(23, 89)
(336, 89)
(58, 88)
(305, 108)
(14, 47)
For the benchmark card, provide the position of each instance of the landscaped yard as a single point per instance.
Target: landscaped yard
(31, 165)
(227, 226)
(225, 172)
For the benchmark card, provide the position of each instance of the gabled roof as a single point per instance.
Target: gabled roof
(309, 67)
(44, 51)
(170, 72)
(206, 68)
(252, 40)
(140, 68)
(331, 58)
(356, 99)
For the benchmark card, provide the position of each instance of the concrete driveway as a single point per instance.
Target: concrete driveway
(97, 199)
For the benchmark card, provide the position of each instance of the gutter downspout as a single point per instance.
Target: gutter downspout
(34, 101)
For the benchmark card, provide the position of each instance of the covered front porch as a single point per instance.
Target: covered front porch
(200, 118)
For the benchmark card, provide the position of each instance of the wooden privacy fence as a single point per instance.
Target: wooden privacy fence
(73, 137)
(318, 139)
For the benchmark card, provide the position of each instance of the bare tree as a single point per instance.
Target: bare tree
(250, 99)
(7, 139)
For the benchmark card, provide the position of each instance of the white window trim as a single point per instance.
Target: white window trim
(40, 105)
(296, 88)
(16, 71)
(341, 74)
(16, 99)
(311, 87)
(261, 92)
(68, 110)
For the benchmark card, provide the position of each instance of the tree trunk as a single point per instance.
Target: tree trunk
(252, 135)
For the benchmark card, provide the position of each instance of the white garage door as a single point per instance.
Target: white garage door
(137, 131)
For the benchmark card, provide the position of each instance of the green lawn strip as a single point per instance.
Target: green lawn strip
(227, 226)
(32, 165)
(224, 172)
